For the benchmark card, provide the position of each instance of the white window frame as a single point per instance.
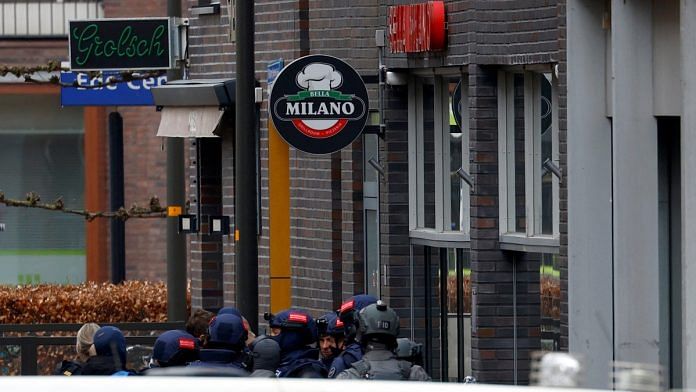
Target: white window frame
(531, 239)
(442, 158)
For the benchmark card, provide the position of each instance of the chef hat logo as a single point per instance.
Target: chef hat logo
(319, 76)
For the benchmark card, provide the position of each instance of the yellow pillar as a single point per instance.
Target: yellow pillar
(279, 220)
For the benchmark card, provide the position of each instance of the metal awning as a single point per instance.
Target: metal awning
(194, 108)
(190, 121)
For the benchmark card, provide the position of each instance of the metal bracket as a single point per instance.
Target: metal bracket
(468, 178)
(550, 166)
(376, 166)
(209, 9)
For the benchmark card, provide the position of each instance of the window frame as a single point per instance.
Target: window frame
(532, 238)
(416, 155)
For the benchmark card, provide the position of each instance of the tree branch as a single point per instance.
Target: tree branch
(32, 200)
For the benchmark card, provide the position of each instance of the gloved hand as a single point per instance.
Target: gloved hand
(266, 353)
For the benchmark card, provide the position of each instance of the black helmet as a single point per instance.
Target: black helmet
(348, 313)
(378, 323)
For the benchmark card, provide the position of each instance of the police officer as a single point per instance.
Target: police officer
(175, 348)
(348, 315)
(265, 354)
(408, 350)
(294, 331)
(377, 333)
(331, 337)
(224, 347)
(110, 347)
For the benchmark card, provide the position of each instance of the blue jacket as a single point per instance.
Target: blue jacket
(352, 353)
(219, 358)
(296, 362)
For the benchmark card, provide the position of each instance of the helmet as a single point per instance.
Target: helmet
(229, 310)
(109, 342)
(408, 350)
(265, 353)
(227, 331)
(378, 322)
(175, 348)
(349, 310)
(297, 327)
(330, 324)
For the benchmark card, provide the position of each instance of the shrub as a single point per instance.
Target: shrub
(131, 301)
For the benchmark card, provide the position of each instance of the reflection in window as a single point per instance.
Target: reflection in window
(550, 282)
(519, 161)
(428, 163)
(546, 154)
(456, 144)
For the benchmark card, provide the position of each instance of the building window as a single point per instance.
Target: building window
(438, 149)
(41, 150)
(528, 150)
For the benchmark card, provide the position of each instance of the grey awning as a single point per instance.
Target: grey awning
(190, 121)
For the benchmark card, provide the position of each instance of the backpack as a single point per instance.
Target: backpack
(368, 372)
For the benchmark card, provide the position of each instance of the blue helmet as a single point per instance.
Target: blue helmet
(227, 331)
(229, 310)
(175, 348)
(109, 342)
(298, 329)
(330, 324)
(348, 313)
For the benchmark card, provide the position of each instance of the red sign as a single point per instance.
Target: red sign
(417, 27)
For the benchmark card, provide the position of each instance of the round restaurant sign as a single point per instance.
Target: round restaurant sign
(319, 104)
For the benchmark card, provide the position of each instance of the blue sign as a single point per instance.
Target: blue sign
(273, 70)
(133, 93)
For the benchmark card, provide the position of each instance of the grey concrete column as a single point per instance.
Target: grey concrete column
(688, 194)
(636, 272)
(590, 310)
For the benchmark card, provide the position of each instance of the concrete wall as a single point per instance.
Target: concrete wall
(688, 194)
(589, 193)
(636, 289)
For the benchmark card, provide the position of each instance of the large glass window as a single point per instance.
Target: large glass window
(427, 123)
(438, 155)
(42, 154)
(528, 144)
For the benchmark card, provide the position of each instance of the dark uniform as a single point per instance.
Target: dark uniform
(110, 346)
(348, 315)
(175, 348)
(297, 332)
(377, 333)
(225, 346)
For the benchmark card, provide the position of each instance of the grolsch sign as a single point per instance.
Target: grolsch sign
(120, 44)
(319, 104)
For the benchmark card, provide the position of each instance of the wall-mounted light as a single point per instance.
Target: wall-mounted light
(376, 166)
(396, 78)
(468, 178)
(188, 224)
(219, 225)
(551, 167)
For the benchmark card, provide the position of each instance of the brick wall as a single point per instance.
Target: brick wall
(326, 191)
(563, 139)
(326, 209)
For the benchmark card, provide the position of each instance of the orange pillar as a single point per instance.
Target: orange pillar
(279, 220)
(96, 193)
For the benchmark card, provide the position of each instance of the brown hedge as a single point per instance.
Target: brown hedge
(132, 301)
